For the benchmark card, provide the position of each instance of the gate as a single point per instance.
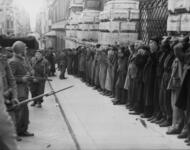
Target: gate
(153, 19)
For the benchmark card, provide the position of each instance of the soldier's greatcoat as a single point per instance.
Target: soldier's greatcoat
(20, 69)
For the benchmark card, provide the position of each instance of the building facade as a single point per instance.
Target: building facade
(43, 27)
(14, 20)
(21, 22)
(7, 18)
(59, 12)
(58, 15)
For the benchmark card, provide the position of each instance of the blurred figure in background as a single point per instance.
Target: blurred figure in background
(62, 64)
(51, 59)
(9, 52)
(120, 92)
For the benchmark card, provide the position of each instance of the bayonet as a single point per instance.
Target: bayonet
(37, 97)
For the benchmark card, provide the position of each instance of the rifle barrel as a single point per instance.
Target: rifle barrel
(35, 77)
(39, 96)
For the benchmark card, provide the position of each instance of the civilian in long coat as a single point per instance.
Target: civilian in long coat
(139, 63)
(182, 51)
(75, 62)
(149, 77)
(109, 76)
(111, 72)
(88, 63)
(163, 53)
(121, 93)
(51, 58)
(174, 85)
(78, 54)
(62, 64)
(114, 70)
(179, 123)
(103, 69)
(82, 63)
(165, 97)
(91, 58)
(69, 61)
(92, 76)
(129, 81)
(97, 69)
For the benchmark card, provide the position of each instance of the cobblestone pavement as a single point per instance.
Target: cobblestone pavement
(97, 124)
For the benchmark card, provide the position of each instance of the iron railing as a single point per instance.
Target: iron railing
(153, 19)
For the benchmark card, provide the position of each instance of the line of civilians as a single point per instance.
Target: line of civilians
(152, 80)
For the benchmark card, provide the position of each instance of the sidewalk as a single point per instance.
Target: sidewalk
(50, 130)
(99, 125)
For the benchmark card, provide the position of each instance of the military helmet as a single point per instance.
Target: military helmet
(19, 47)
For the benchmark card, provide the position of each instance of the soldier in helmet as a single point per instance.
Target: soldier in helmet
(21, 72)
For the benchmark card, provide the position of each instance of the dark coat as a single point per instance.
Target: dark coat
(140, 62)
(75, 63)
(149, 74)
(70, 62)
(167, 69)
(158, 79)
(137, 83)
(62, 61)
(122, 71)
(51, 58)
(183, 53)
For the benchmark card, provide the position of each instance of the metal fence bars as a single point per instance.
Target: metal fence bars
(153, 19)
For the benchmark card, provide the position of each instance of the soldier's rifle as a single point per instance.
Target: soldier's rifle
(37, 97)
(33, 77)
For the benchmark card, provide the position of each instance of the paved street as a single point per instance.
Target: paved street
(49, 128)
(97, 124)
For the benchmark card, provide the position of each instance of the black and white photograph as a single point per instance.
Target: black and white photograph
(94, 74)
